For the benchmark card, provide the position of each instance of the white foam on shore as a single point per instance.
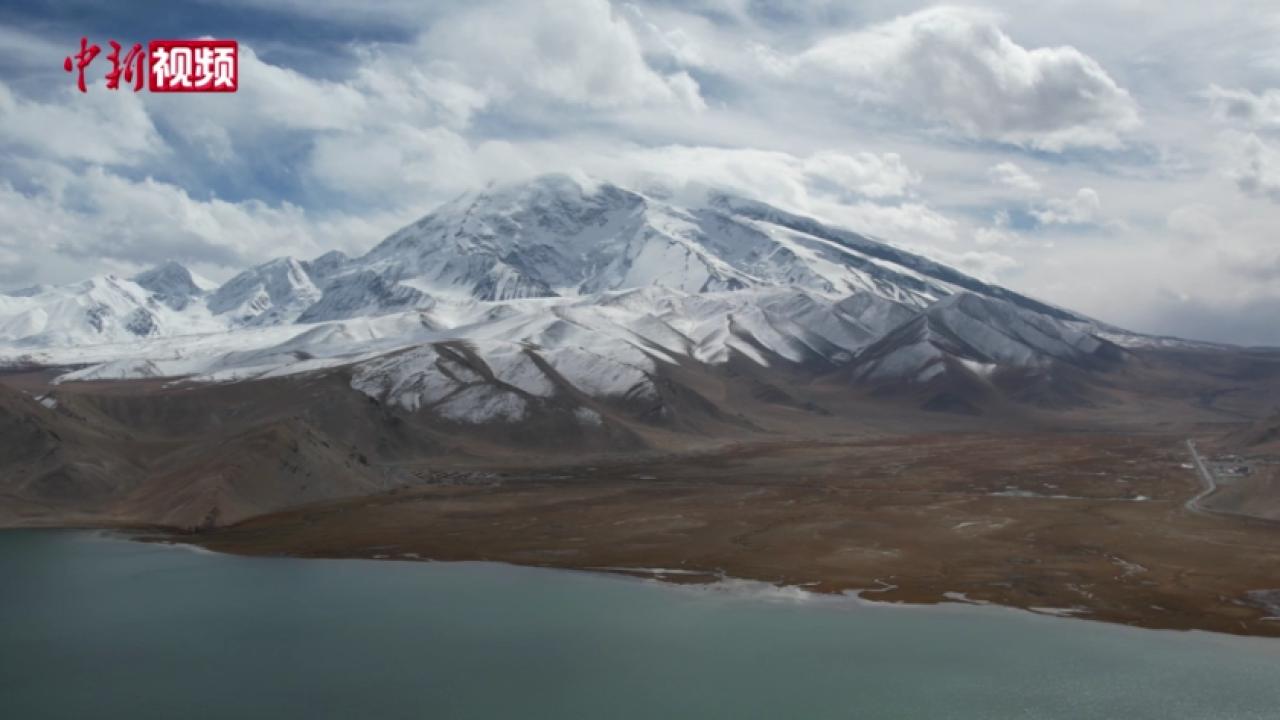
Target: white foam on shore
(138, 536)
(197, 549)
(950, 601)
(165, 542)
(799, 594)
(752, 590)
(959, 597)
(1058, 612)
(654, 571)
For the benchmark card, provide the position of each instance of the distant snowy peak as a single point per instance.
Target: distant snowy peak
(100, 310)
(327, 265)
(275, 292)
(364, 293)
(171, 284)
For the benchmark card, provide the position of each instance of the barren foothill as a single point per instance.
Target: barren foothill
(1094, 526)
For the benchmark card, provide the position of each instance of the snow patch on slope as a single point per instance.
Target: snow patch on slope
(483, 403)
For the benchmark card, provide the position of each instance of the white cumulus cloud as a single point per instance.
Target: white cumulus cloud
(1256, 165)
(1010, 175)
(580, 52)
(957, 67)
(1083, 208)
(99, 127)
(1257, 110)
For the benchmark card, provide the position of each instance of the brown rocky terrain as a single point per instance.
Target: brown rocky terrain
(1094, 526)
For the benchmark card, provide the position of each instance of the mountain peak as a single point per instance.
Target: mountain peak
(327, 262)
(173, 283)
(547, 186)
(275, 292)
(561, 235)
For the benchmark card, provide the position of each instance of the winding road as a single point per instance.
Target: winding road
(1206, 476)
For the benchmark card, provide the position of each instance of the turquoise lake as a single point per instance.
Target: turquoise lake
(97, 626)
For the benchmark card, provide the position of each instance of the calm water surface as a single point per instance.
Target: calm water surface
(93, 626)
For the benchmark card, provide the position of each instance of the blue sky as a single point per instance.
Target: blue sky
(1119, 158)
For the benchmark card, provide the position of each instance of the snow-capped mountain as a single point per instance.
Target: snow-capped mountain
(554, 238)
(104, 309)
(173, 285)
(558, 291)
(273, 293)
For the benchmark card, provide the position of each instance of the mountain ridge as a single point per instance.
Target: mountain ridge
(632, 280)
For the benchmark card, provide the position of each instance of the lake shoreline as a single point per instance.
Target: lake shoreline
(160, 627)
(887, 597)
(860, 597)
(712, 582)
(1091, 525)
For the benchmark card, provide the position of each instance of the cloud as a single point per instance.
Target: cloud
(1253, 164)
(1195, 222)
(865, 191)
(998, 233)
(993, 236)
(1001, 234)
(983, 264)
(385, 89)
(1256, 110)
(1083, 208)
(394, 163)
(387, 140)
(771, 175)
(399, 127)
(958, 68)
(672, 43)
(98, 217)
(864, 173)
(1009, 175)
(1206, 270)
(416, 89)
(99, 127)
(1237, 246)
(911, 225)
(577, 52)
(1199, 317)
(1256, 165)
